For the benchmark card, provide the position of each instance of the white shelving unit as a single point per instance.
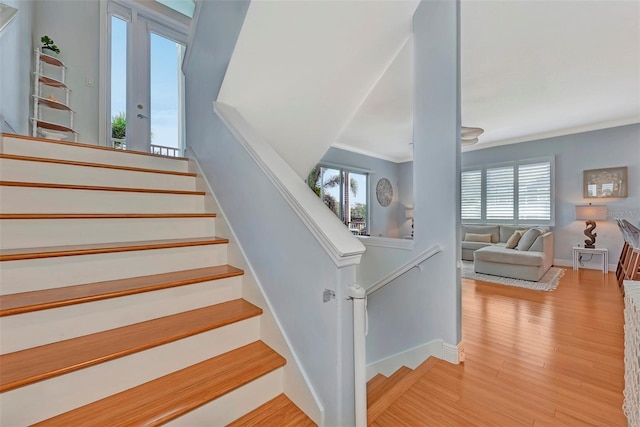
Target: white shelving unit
(49, 85)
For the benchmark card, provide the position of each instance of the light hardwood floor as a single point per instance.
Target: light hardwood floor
(532, 359)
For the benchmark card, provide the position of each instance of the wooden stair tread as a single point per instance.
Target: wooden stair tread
(374, 384)
(102, 248)
(90, 164)
(26, 302)
(24, 367)
(393, 390)
(96, 147)
(166, 398)
(97, 188)
(379, 392)
(105, 215)
(279, 411)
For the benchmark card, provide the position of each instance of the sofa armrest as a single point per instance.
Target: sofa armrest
(544, 244)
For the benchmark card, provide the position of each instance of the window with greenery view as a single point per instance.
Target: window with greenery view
(345, 193)
(518, 192)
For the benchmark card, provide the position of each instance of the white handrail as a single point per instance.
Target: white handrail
(414, 262)
(343, 248)
(359, 297)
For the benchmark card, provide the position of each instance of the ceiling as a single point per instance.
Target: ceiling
(529, 70)
(301, 69)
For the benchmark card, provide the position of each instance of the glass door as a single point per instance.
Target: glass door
(146, 85)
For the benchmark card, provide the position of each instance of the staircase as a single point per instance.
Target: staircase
(117, 303)
(383, 391)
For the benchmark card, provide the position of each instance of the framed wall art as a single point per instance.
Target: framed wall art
(603, 183)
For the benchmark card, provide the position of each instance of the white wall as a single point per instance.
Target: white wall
(423, 306)
(619, 146)
(15, 68)
(74, 25)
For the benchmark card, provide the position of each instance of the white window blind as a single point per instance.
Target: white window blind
(500, 188)
(518, 192)
(471, 194)
(534, 191)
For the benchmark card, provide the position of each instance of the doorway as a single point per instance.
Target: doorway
(146, 84)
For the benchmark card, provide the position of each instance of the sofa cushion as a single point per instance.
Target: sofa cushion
(499, 254)
(472, 237)
(474, 245)
(494, 230)
(506, 231)
(514, 239)
(528, 238)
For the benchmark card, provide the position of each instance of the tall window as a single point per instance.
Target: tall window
(519, 192)
(345, 193)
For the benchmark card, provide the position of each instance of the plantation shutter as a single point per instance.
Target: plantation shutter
(534, 191)
(500, 188)
(471, 195)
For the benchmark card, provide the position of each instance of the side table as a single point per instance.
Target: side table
(577, 251)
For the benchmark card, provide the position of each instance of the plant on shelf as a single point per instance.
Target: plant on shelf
(48, 44)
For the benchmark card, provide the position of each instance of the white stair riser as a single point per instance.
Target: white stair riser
(46, 273)
(43, 327)
(48, 200)
(45, 399)
(25, 147)
(233, 405)
(32, 233)
(56, 173)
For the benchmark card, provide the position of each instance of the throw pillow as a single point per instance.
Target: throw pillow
(514, 239)
(527, 239)
(472, 237)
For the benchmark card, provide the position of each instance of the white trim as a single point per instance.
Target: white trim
(559, 262)
(555, 133)
(450, 353)
(411, 358)
(104, 76)
(371, 153)
(192, 36)
(159, 13)
(341, 246)
(387, 242)
(346, 167)
(222, 217)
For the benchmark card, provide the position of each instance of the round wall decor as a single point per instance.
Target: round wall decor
(384, 192)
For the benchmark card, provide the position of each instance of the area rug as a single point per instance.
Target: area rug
(548, 282)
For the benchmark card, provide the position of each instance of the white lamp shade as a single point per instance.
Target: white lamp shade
(590, 212)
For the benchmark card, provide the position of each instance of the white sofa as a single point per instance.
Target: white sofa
(493, 257)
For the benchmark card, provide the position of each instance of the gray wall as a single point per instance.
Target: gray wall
(15, 68)
(619, 146)
(423, 306)
(74, 25)
(387, 221)
(289, 264)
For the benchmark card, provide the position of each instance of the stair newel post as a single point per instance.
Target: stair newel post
(359, 297)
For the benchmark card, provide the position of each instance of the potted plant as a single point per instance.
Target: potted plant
(48, 46)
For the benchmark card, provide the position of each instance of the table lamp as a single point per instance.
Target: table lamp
(591, 213)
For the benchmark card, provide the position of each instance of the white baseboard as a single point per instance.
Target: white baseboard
(563, 262)
(450, 353)
(413, 357)
(569, 263)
